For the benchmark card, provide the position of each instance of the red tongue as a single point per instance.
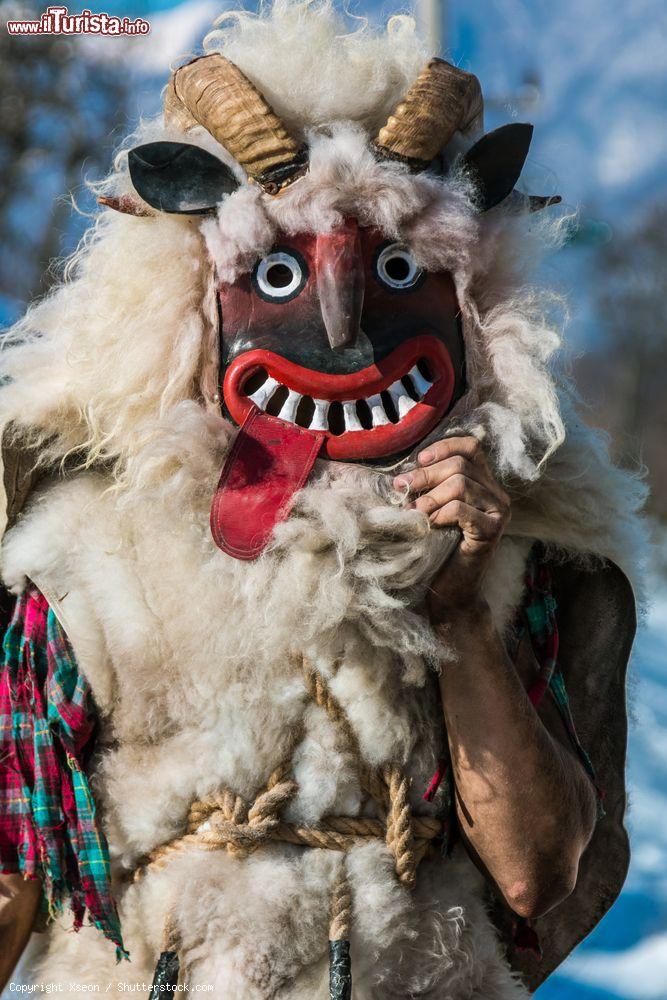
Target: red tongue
(269, 462)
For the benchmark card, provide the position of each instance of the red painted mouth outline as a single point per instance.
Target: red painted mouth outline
(378, 441)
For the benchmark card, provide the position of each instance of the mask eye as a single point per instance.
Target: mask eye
(280, 275)
(396, 268)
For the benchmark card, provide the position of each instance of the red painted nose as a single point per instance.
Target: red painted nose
(340, 282)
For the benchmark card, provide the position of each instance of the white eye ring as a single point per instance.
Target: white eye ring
(396, 267)
(280, 276)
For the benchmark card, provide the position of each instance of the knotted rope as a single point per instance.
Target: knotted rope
(225, 820)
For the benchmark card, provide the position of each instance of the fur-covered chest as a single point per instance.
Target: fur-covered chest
(197, 660)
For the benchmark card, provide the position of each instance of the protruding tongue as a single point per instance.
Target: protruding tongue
(269, 462)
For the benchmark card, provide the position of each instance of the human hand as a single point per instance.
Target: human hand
(454, 486)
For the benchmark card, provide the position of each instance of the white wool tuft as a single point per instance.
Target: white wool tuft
(103, 357)
(313, 69)
(239, 234)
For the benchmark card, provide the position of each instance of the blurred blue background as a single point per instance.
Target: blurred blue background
(592, 76)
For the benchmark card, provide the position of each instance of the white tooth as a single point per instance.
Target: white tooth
(261, 396)
(352, 422)
(377, 410)
(402, 401)
(289, 407)
(319, 421)
(421, 384)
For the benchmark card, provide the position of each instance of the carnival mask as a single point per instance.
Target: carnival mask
(336, 344)
(343, 334)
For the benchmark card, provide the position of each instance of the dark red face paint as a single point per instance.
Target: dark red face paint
(342, 334)
(336, 344)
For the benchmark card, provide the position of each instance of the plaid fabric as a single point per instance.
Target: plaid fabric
(48, 824)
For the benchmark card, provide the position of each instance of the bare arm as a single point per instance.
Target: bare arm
(525, 806)
(524, 803)
(19, 900)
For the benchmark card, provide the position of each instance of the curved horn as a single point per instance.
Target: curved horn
(211, 91)
(441, 101)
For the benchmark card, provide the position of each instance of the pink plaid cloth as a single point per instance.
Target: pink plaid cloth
(48, 824)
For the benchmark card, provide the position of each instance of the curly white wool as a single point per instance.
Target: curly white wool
(132, 333)
(315, 68)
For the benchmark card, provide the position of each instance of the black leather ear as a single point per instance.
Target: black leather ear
(180, 178)
(496, 161)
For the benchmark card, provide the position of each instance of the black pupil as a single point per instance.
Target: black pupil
(279, 275)
(397, 268)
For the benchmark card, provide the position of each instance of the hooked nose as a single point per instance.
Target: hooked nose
(340, 283)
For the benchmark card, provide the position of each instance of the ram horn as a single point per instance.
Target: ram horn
(212, 91)
(442, 100)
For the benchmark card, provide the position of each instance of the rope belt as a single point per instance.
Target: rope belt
(227, 821)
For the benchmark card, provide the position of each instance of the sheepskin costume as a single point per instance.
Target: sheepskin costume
(194, 657)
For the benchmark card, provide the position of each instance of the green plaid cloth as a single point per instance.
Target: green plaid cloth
(48, 822)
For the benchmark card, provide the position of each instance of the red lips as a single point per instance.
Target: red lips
(377, 411)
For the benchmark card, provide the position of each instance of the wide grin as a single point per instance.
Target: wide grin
(377, 411)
